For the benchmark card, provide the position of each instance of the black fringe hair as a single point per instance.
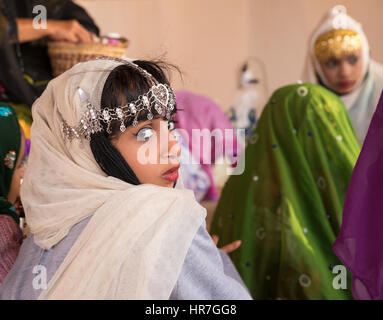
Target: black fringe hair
(124, 84)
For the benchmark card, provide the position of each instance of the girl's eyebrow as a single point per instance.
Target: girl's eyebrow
(143, 123)
(146, 122)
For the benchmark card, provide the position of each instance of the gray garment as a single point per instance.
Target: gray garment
(207, 273)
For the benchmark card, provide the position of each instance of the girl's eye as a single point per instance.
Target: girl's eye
(144, 134)
(171, 125)
(332, 63)
(352, 60)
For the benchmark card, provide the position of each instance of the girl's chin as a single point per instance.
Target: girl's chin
(169, 184)
(342, 91)
(164, 183)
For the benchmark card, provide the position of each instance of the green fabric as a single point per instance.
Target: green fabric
(286, 207)
(10, 140)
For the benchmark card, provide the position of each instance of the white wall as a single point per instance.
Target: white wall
(207, 39)
(210, 39)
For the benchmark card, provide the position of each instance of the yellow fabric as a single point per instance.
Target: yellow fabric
(26, 129)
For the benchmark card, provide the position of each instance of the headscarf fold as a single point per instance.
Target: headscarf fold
(359, 243)
(287, 205)
(136, 240)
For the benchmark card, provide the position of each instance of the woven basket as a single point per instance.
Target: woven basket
(64, 55)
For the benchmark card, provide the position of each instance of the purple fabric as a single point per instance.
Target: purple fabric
(27, 146)
(359, 244)
(199, 112)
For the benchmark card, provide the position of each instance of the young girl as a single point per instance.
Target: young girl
(108, 215)
(11, 172)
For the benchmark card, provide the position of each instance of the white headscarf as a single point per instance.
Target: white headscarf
(362, 101)
(336, 18)
(134, 245)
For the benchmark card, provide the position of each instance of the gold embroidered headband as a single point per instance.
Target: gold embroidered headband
(337, 43)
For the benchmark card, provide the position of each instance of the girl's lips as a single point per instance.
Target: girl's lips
(346, 84)
(172, 174)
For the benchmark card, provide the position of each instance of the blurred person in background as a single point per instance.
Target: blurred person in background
(12, 144)
(25, 67)
(286, 207)
(339, 59)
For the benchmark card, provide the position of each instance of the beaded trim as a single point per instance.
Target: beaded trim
(160, 98)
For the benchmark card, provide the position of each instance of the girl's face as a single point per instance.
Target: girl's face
(152, 151)
(18, 173)
(343, 74)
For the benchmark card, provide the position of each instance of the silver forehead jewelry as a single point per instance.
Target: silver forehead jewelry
(160, 97)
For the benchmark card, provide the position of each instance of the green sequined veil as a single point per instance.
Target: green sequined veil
(287, 205)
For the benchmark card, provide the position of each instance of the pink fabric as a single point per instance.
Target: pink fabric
(199, 112)
(11, 238)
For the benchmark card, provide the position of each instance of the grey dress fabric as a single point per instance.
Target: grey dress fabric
(207, 273)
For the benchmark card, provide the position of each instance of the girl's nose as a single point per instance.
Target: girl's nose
(174, 147)
(170, 149)
(345, 68)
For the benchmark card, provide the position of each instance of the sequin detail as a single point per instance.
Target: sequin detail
(10, 159)
(302, 91)
(5, 111)
(321, 183)
(304, 280)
